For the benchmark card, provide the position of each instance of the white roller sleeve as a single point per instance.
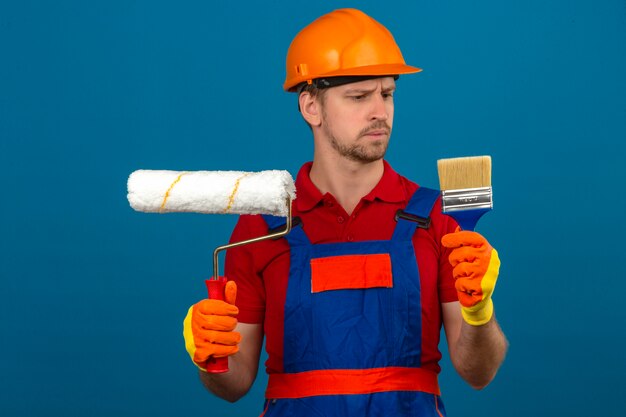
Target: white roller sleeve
(237, 192)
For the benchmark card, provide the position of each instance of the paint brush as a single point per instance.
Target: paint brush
(466, 188)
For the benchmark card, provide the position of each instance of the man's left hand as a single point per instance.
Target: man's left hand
(476, 266)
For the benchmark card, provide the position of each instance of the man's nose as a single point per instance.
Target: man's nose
(379, 108)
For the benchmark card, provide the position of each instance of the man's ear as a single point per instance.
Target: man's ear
(310, 108)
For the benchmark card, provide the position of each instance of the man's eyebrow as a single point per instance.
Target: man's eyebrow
(369, 90)
(360, 90)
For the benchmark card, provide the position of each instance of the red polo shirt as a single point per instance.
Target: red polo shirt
(261, 269)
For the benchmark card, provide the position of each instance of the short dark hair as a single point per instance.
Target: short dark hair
(312, 89)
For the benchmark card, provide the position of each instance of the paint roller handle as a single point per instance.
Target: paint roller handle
(216, 292)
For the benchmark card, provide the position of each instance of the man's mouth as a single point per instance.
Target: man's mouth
(376, 133)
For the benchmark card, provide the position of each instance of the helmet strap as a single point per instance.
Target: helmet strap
(330, 82)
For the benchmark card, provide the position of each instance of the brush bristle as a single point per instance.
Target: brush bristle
(466, 172)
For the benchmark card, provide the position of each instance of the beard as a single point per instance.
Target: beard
(361, 151)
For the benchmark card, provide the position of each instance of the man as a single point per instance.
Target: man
(352, 301)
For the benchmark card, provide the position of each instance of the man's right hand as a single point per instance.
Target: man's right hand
(208, 328)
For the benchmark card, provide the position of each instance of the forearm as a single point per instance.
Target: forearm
(478, 352)
(231, 385)
(242, 366)
(476, 342)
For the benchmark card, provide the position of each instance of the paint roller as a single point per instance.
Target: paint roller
(214, 192)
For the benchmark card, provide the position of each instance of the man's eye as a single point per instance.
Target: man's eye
(358, 98)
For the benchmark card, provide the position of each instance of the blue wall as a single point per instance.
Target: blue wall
(93, 294)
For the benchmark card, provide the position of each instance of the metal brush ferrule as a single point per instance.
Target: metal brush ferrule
(468, 198)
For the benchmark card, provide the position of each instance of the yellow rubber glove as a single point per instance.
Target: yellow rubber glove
(208, 328)
(475, 268)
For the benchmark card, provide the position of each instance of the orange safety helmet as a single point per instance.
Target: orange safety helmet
(343, 43)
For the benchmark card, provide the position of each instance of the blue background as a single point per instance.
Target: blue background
(93, 294)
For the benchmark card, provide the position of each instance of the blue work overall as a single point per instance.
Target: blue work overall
(354, 348)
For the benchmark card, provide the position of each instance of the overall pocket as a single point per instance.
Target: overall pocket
(352, 310)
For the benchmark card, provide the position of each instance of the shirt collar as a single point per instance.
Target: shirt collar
(307, 194)
(389, 189)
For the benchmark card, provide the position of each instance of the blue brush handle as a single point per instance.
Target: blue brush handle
(467, 219)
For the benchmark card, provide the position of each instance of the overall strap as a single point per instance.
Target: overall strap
(416, 214)
(296, 236)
